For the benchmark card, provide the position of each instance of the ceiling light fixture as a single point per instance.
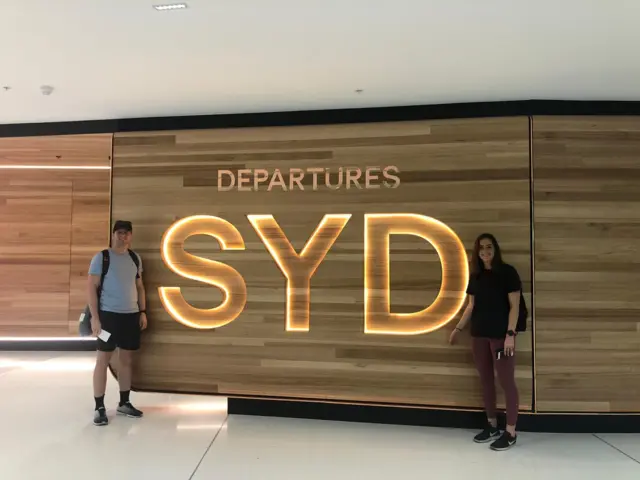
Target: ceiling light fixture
(172, 6)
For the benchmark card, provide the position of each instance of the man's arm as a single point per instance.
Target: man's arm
(92, 294)
(142, 302)
(93, 283)
(142, 299)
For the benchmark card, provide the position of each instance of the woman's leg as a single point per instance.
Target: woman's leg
(506, 368)
(483, 358)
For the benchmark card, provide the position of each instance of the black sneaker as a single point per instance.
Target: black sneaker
(129, 410)
(488, 434)
(505, 442)
(100, 417)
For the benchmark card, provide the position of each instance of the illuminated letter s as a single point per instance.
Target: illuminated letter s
(203, 270)
(377, 303)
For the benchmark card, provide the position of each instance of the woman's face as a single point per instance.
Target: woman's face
(486, 251)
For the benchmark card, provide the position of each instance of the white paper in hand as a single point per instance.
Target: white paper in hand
(104, 335)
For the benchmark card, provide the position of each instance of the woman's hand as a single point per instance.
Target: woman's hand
(509, 346)
(453, 336)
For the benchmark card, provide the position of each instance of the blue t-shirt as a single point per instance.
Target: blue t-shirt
(119, 292)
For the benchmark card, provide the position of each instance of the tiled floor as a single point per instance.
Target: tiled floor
(46, 433)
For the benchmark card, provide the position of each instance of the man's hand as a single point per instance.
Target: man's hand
(143, 321)
(96, 327)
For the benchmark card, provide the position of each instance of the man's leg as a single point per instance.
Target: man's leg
(128, 346)
(125, 364)
(100, 375)
(100, 383)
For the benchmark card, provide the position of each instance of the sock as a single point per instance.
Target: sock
(99, 402)
(124, 397)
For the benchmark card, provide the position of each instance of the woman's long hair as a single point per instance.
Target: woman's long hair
(477, 265)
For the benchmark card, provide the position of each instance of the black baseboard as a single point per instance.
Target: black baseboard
(54, 345)
(531, 422)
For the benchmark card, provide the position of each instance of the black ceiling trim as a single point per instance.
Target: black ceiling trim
(58, 128)
(324, 117)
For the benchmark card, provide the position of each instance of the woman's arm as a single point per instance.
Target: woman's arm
(462, 324)
(514, 309)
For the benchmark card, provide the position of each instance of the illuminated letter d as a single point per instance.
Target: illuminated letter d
(377, 303)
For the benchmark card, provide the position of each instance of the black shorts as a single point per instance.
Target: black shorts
(124, 329)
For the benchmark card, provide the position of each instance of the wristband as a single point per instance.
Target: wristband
(459, 329)
(142, 311)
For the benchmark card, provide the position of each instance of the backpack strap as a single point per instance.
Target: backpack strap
(105, 268)
(136, 260)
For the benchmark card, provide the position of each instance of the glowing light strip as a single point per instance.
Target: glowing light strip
(53, 167)
(50, 365)
(203, 426)
(45, 339)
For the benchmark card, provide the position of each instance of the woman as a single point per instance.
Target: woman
(494, 300)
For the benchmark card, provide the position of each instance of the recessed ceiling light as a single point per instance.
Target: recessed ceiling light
(172, 6)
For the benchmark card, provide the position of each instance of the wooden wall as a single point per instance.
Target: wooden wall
(471, 174)
(474, 175)
(586, 175)
(52, 221)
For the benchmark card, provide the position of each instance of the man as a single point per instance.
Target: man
(118, 311)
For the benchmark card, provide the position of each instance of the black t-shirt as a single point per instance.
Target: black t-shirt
(490, 290)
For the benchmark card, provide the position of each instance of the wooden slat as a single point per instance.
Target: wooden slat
(89, 234)
(471, 174)
(78, 150)
(586, 175)
(51, 223)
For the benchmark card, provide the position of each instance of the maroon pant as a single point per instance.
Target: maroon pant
(484, 355)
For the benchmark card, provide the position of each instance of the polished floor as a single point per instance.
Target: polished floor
(46, 433)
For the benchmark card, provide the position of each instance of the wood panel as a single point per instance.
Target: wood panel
(52, 220)
(471, 174)
(586, 173)
(55, 151)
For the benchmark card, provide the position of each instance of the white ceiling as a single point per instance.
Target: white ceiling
(122, 58)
